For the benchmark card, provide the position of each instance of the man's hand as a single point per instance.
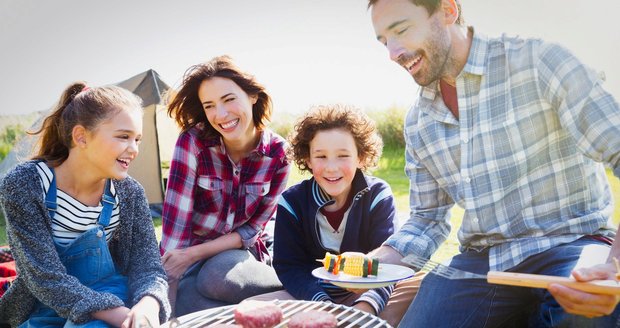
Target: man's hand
(387, 254)
(583, 303)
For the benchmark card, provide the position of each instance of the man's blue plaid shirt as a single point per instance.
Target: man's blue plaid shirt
(524, 161)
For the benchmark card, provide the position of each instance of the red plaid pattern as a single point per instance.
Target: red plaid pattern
(208, 196)
(8, 273)
(5, 254)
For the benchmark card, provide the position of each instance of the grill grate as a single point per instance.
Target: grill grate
(347, 317)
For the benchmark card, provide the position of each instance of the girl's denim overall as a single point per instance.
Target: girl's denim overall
(86, 258)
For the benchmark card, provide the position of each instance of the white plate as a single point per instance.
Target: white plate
(389, 274)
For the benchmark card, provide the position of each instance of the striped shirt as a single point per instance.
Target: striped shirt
(524, 159)
(208, 195)
(72, 217)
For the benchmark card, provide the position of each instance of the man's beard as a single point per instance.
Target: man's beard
(436, 58)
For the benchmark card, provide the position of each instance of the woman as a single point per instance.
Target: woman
(79, 227)
(225, 177)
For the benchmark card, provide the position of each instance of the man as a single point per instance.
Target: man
(515, 132)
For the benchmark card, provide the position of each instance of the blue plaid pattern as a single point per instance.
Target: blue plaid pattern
(524, 161)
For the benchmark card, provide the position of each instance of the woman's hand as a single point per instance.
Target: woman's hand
(583, 303)
(176, 262)
(145, 314)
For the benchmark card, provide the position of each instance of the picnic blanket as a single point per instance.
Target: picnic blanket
(7, 269)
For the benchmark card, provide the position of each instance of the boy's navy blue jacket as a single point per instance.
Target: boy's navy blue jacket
(297, 243)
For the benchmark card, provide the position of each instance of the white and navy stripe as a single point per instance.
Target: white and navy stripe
(72, 217)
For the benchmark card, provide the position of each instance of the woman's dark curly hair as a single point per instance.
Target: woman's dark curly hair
(185, 106)
(321, 118)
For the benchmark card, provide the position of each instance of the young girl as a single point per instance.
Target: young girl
(79, 227)
(226, 175)
(339, 209)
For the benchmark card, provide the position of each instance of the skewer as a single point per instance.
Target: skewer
(617, 268)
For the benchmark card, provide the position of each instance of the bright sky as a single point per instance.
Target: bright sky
(305, 51)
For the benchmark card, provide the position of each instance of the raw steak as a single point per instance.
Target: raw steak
(257, 314)
(313, 319)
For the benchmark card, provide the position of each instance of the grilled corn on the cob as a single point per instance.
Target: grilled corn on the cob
(352, 263)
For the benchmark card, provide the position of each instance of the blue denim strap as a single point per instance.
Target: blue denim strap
(108, 205)
(107, 199)
(50, 197)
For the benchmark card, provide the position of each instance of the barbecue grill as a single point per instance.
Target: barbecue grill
(347, 316)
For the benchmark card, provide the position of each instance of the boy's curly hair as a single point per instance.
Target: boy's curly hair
(328, 117)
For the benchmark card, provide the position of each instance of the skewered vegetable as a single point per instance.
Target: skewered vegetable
(352, 263)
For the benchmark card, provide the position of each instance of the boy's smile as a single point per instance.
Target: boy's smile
(334, 161)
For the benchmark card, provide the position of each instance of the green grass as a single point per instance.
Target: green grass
(392, 169)
(615, 190)
(2, 230)
(157, 224)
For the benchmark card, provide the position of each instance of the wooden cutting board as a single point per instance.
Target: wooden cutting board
(609, 287)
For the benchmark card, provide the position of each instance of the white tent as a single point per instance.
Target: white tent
(159, 135)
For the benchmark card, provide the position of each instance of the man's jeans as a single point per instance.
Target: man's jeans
(475, 303)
